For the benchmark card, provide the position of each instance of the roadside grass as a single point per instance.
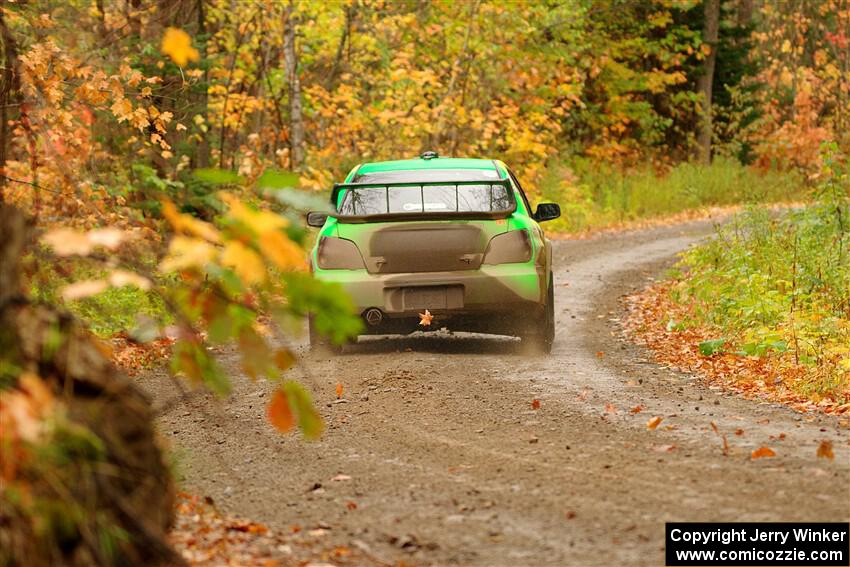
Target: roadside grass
(105, 314)
(766, 304)
(595, 195)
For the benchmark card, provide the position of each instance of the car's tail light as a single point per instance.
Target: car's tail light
(509, 247)
(338, 254)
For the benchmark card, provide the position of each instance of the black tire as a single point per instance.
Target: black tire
(320, 343)
(540, 337)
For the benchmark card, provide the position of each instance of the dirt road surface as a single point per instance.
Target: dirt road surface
(437, 445)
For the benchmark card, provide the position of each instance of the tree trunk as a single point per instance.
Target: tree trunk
(296, 119)
(202, 155)
(9, 94)
(340, 49)
(706, 81)
(117, 479)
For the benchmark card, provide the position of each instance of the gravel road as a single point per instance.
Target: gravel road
(437, 445)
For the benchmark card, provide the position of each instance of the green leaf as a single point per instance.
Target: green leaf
(309, 420)
(193, 360)
(145, 330)
(299, 200)
(217, 176)
(277, 179)
(332, 308)
(714, 346)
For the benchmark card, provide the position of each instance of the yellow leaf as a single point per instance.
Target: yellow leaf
(187, 252)
(120, 278)
(281, 250)
(107, 237)
(67, 242)
(654, 422)
(245, 262)
(85, 288)
(122, 109)
(189, 224)
(260, 222)
(178, 45)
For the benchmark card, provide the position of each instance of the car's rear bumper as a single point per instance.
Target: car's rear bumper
(463, 300)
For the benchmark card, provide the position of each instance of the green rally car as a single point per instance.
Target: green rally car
(447, 237)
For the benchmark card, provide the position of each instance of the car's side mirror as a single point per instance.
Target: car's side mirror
(547, 211)
(316, 219)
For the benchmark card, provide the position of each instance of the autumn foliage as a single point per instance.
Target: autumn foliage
(162, 150)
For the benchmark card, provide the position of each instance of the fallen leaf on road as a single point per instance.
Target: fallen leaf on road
(722, 436)
(341, 551)
(825, 450)
(351, 505)
(762, 452)
(570, 515)
(653, 422)
(636, 409)
(535, 404)
(739, 432)
(341, 477)
(664, 448)
(600, 354)
(338, 390)
(426, 318)
(610, 408)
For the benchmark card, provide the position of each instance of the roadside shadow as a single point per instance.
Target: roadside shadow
(441, 343)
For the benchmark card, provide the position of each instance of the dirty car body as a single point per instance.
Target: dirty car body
(452, 236)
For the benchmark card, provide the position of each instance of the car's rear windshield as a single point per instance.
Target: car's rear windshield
(377, 199)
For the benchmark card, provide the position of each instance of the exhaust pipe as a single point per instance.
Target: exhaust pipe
(374, 316)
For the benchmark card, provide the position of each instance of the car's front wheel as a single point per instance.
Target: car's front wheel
(540, 335)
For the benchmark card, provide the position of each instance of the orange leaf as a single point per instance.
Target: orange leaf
(338, 390)
(610, 408)
(284, 359)
(279, 412)
(825, 450)
(636, 409)
(535, 404)
(762, 452)
(653, 422)
(426, 318)
(600, 354)
(351, 505)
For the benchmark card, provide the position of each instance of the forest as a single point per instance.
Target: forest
(157, 158)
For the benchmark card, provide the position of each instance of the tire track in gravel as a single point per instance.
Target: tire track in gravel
(450, 465)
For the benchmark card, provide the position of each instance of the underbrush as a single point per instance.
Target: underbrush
(596, 195)
(105, 314)
(778, 287)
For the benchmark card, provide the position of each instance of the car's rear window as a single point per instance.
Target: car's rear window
(379, 200)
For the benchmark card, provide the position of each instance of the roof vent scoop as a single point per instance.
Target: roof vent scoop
(429, 155)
